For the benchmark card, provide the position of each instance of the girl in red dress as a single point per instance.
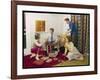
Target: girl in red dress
(37, 49)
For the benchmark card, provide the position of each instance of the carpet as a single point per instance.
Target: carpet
(32, 63)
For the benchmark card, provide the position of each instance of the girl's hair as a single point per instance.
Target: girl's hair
(69, 38)
(37, 36)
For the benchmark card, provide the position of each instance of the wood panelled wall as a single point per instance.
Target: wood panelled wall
(40, 25)
(83, 41)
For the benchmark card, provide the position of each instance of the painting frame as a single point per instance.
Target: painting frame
(14, 38)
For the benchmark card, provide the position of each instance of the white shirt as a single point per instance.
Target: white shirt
(67, 29)
(49, 37)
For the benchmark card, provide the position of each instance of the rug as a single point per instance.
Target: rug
(33, 63)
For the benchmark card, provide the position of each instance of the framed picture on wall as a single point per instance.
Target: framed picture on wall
(52, 39)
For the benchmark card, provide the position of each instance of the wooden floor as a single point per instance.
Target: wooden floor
(75, 62)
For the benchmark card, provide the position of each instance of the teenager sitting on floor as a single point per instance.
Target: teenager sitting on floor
(50, 42)
(37, 49)
(72, 51)
(61, 47)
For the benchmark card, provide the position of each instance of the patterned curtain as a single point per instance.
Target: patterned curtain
(82, 23)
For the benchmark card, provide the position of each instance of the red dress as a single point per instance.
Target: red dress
(37, 49)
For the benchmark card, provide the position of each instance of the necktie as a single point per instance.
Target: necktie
(51, 37)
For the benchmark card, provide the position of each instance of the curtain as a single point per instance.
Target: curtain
(82, 23)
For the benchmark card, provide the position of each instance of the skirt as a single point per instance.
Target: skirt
(38, 50)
